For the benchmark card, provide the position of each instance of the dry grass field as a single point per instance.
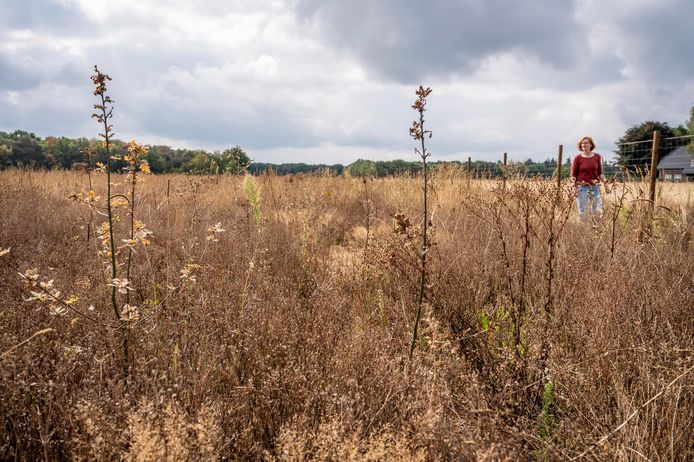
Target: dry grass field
(270, 319)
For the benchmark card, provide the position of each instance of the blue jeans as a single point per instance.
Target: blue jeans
(589, 196)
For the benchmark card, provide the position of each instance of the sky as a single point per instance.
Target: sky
(330, 81)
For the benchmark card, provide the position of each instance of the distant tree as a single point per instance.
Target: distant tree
(680, 130)
(172, 160)
(27, 150)
(199, 163)
(258, 168)
(690, 130)
(17, 134)
(49, 149)
(156, 162)
(5, 150)
(64, 151)
(235, 160)
(5, 155)
(362, 167)
(632, 156)
(118, 149)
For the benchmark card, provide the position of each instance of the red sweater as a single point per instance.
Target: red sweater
(587, 170)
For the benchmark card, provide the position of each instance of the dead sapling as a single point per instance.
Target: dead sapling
(419, 133)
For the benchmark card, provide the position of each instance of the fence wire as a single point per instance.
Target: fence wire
(636, 156)
(634, 159)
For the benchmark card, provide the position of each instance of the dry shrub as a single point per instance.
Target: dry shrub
(332, 441)
(98, 434)
(153, 433)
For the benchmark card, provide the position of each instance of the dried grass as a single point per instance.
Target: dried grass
(291, 344)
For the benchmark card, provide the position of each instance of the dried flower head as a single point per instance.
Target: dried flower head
(417, 130)
(37, 297)
(215, 231)
(71, 352)
(122, 284)
(187, 273)
(130, 313)
(99, 79)
(32, 276)
(86, 197)
(57, 310)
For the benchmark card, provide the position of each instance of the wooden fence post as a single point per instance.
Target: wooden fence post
(654, 167)
(559, 162)
(503, 172)
(653, 176)
(469, 171)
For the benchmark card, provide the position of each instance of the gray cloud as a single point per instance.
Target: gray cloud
(407, 41)
(660, 39)
(49, 109)
(30, 32)
(284, 78)
(18, 74)
(49, 15)
(34, 65)
(220, 126)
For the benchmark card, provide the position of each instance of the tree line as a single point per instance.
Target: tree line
(24, 149)
(478, 168)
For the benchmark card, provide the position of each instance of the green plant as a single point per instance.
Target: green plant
(547, 421)
(252, 193)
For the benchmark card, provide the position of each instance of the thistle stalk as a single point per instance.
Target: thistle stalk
(368, 218)
(418, 132)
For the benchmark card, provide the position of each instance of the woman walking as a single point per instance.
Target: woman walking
(586, 175)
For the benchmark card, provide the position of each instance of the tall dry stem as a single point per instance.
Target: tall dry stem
(367, 206)
(104, 112)
(418, 132)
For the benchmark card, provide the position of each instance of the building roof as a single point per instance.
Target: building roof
(679, 159)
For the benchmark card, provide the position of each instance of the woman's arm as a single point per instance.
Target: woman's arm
(574, 169)
(574, 174)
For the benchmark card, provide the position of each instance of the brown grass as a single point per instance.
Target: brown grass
(292, 344)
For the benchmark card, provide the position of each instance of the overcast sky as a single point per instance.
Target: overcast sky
(328, 81)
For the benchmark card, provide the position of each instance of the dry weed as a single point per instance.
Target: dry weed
(283, 341)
